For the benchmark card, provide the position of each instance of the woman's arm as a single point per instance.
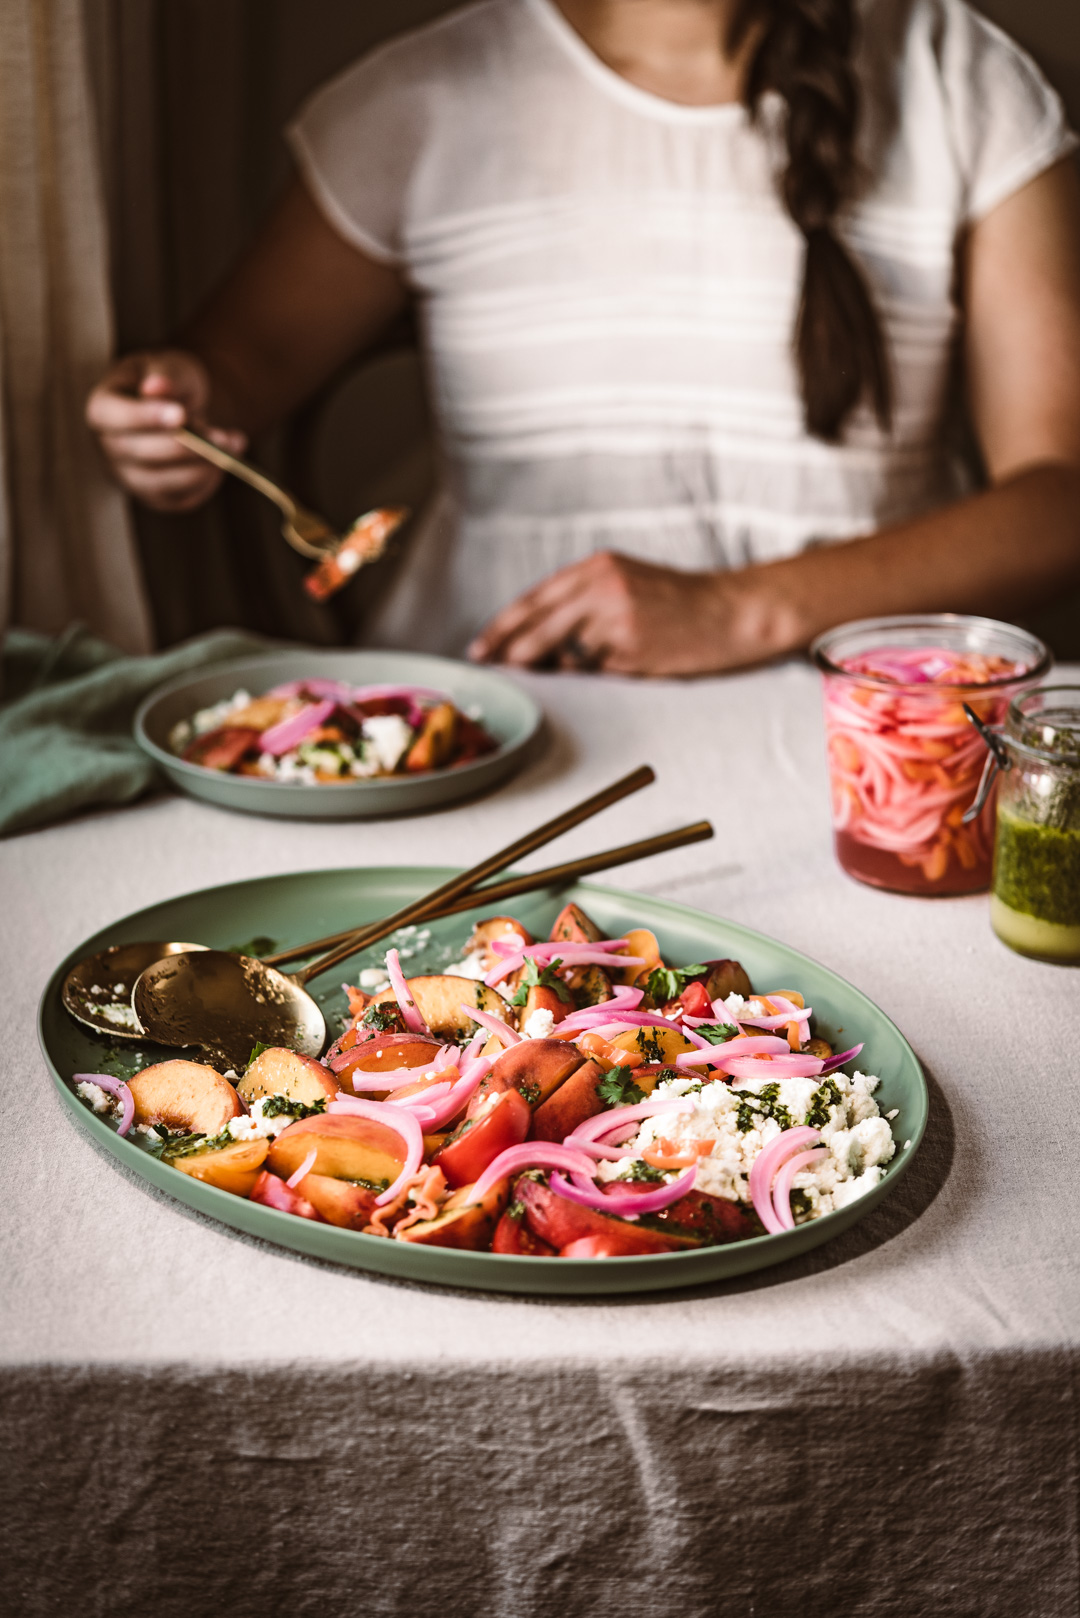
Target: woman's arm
(1003, 551)
(298, 302)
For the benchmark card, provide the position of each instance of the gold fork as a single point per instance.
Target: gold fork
(305, 531)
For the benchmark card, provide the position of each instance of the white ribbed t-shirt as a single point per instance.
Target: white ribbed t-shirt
(608, 285)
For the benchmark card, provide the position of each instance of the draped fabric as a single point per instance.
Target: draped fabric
(66, 546)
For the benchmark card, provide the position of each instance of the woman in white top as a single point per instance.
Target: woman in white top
(697, 279)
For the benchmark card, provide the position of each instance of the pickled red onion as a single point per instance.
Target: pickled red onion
(114, 1087)
(289, 733)
(765, 1166)
(409, 1010)
(624, 1204)
(781, 1188)
(575, 955)
(305, 1168)
(587, 1136)
(833, 1062)
(493, 1024)
(531, 1154)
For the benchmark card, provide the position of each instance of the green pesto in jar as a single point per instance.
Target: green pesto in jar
(1037, 869)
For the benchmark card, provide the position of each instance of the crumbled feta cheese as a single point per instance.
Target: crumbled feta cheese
(373, 978)
(148, 1130)
(860, 1141)
(389, 737)
(538, 1024)
(895, 1113)
(470, 966)
(212, 718)
(231, 1074)
(254, 1126)
(94, 1096)
(120, 1016)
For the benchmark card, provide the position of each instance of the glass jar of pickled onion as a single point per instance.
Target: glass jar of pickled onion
(904, 762)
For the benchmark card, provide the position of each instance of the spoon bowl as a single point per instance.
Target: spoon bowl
(226, 1004)
(97, 992)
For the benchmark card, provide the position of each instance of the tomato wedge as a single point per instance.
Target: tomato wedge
(480, 1140)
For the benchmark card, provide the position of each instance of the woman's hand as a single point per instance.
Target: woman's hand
(135, 410)
(613, 613)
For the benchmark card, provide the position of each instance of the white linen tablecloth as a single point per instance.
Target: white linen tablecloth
(196, 1423)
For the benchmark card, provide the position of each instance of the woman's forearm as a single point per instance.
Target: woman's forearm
(1004, 551)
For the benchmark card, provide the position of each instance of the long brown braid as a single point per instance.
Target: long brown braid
(804, 54)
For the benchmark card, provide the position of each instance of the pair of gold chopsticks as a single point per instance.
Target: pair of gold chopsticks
(465, 892)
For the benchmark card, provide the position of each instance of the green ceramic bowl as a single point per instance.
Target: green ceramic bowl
(283, 910)
(512, 718)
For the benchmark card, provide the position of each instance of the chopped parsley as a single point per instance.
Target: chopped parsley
(617, 1088)
(666, 982)
(531, 1092)
(717, 1032)
(257, 946)
(536, 977)
(825, 1096)
(280, 1106)
(640, 1170)
(755, 1107)
(382, 1018)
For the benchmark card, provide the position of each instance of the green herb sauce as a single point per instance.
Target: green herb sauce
(1037, 869)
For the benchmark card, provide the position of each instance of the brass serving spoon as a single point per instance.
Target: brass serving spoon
(227, 1003)
(98, 991)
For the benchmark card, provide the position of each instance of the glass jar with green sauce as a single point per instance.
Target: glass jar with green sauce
(1035, 897)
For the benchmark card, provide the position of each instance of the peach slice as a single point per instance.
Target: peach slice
(338, 1202)
(232, 1168)
(383, 1055)
(439, 1000)
(274, 1193)
(279, 1072)
(536, 1067)
(463, 1222)
(573, 926)
(346, 1148)
(503, 928)
(434, 746)
(654, 1044)
(639, 941)
(575, 1100)
(186, 1097)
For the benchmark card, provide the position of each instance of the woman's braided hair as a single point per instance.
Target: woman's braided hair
(804, 54)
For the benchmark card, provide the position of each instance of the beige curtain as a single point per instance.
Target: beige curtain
(66, 547)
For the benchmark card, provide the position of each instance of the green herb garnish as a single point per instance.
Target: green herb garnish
(258, 946)
(256, 1051)
(380, 1018)
(617, 1088)
(640, 1170)
(284, 1106)
(717, 1032)
(536, 977)
(666, 982)
(825, 1096)
(765, 1103)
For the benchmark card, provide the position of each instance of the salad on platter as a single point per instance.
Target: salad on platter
(318, 732)
(572, 1098)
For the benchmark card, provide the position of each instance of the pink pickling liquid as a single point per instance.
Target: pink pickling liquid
(905, 763)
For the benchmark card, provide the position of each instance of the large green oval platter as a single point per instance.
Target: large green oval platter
(292, 908)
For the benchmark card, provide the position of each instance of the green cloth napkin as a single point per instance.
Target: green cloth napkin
(66, 716)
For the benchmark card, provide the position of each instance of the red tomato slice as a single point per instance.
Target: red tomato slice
(695, 1002)
(479, 1142)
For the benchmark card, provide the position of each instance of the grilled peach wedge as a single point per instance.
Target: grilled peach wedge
(187, 1098)
(232, 1168)
(279, 1072)
(346, 1148)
